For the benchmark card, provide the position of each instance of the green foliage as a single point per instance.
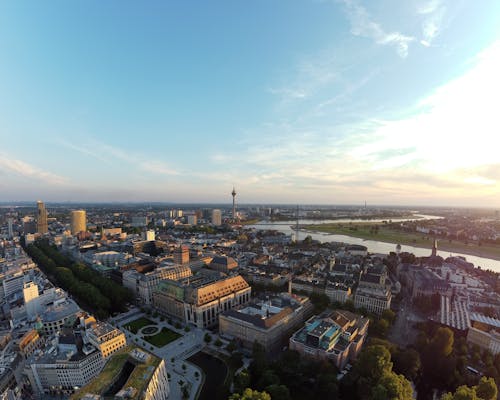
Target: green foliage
(302, 377)
(241, 381)
(249, 394)
(392, 387)
(373, 362)
(319, 301)
(373, 377)
(89, 287)
(487, 389)
(278, 392)
(207, 338)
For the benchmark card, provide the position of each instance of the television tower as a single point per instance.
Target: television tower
(233, 193)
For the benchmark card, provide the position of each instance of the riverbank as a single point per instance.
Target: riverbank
(386, 234)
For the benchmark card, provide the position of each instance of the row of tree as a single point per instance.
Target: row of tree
(373, 377)
(290, 377)
(102, 295)
(445, 360)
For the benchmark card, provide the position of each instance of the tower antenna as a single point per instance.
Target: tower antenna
(233, 193)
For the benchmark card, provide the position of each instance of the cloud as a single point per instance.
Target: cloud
(105, 152)
(157, 167)
(23, 169)
(363, 25)
(444, 148)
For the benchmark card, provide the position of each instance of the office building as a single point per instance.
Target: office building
(10, 223)
(31, 300)
(150, 236)
(63, 313)
(144, 377)
(216, 217)
(143, 285)
(373, 294)
(78, 222)
(63, 367)
(192, 219)
(181, 255)
(223, 264)
(106, 338)
(199, 299)
(338, 337)
(268, 322)
(41, 218)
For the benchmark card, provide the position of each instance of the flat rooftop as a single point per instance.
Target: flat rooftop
(138, 378)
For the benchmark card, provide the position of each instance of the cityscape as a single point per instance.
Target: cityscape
(265, 200)
(140, 301)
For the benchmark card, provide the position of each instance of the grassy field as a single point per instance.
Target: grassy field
(164, 337)
(134, 326)
(364, 230)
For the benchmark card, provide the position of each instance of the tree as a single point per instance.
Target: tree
(241, 381)
(268, 378)
(407, 362)
(278, 392)
(392, 387)
(487, 389)
(373, 362)
(441, 344)
(462, 393)
(249, 394)
(389, 315)
(207, 338)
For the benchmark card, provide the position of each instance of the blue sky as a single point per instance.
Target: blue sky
(392, 102)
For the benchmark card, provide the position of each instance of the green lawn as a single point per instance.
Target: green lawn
(165, 336)
(134, 326)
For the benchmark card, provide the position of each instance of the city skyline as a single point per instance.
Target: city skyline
(331, 103)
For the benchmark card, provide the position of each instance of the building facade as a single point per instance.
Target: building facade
(338, 337)
(41, 218)
(268, 322)
(144, 285)
(78, 221)
(199, 299)
(106, 338)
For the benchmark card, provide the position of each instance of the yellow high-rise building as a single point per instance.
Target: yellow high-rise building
(78, 221)
(41, 218)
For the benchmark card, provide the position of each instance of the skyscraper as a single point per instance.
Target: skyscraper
(216, 217)
(10, 221)
(41, 219)
(78, 221)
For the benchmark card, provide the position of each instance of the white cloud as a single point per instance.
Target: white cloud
(105, 153)
(23, 169)
(363, 25)
(445, 150)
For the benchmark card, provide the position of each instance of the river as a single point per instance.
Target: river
(373, 245)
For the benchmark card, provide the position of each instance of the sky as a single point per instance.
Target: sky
(310, 102)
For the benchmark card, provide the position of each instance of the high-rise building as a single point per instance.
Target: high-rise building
(78, 221)
(181, 255)
(192, 219)
(30, 294)
(10, 222)
(216, 217)
(41, 218)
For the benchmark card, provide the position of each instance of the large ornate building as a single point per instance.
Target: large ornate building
(200, 299)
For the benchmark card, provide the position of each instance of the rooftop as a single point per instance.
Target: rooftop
(138, 379)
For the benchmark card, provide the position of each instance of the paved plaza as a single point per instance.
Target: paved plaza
(179, 350)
